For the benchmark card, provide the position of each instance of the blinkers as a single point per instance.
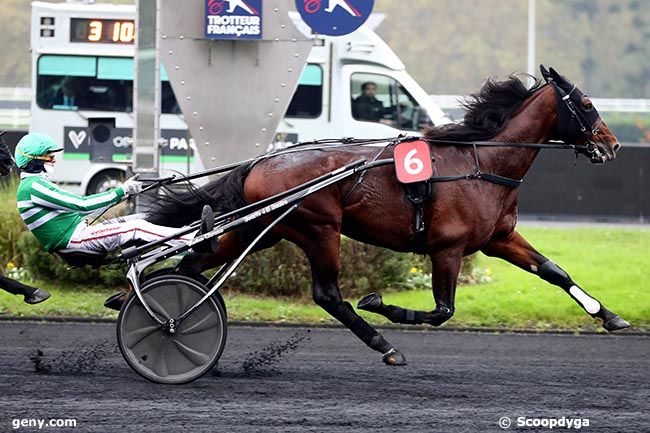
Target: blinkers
(574, 120)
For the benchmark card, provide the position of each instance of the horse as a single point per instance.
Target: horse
(466, 216)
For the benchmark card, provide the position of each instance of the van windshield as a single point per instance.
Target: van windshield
(382, 99)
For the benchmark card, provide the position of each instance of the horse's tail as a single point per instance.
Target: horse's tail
(176, 209)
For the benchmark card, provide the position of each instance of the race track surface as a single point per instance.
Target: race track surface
(324, 380)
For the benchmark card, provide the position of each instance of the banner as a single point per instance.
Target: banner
(233, 19)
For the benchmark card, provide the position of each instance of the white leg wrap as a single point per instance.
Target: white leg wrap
(590, 305)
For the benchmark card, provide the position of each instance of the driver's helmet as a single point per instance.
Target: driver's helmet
(35, 146)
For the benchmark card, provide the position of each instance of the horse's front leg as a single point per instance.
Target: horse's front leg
(516, 250)
(445, 268)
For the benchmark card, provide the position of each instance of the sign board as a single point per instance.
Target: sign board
(233, 19)
(76, 143)
(413, 161)
(334, 17)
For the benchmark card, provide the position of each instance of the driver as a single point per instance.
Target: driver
(57, 217)
(366, 106)
(31, 295)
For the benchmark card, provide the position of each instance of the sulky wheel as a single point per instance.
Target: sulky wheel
(176, 358)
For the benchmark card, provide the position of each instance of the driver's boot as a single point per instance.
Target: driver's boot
(207, 225)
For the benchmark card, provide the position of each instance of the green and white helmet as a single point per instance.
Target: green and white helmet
(35, 146)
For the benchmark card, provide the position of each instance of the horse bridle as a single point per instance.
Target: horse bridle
(588, 122)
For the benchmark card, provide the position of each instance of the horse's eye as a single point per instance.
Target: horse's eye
(589, 106)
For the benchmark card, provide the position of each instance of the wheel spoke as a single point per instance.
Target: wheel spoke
(194, 356)
(157, 308)
(207, 322)
(181, 301)
(137, 335)
(160, 362)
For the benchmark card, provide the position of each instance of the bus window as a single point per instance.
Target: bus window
(307, 102)
(92, 83)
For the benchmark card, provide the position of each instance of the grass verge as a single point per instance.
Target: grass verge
(609, 263)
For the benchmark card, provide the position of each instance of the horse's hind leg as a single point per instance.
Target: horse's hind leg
(516, 250)
(32, 295)
(321, 246)
(445, 268)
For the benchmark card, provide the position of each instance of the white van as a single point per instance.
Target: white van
(329, 100)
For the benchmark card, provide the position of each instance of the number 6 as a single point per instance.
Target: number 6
(412, 164)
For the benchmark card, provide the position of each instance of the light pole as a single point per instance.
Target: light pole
(531, 39)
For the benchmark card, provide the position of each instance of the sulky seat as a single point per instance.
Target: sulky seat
(78, 257)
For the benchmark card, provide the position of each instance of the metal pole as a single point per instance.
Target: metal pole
(146, 89)
(531, 39)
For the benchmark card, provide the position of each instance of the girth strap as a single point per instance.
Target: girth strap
(418, 193)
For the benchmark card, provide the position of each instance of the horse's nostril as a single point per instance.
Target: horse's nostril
(617, 146)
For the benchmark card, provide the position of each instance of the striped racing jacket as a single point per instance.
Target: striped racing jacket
(53, 214)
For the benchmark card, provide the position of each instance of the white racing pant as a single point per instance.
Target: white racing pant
(113, 233)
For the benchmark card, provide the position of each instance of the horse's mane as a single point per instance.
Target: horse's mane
(488, 111)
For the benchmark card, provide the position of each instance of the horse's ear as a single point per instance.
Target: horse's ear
(545, 74)
(556, 77)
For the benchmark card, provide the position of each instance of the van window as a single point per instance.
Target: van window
(307, 102)
(382, 99)
(93, 83)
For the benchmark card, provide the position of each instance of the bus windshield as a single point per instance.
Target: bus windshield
(93, 83)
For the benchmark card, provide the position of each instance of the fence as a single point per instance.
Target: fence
(14, 107)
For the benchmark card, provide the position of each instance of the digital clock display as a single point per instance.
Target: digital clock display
(102, 31)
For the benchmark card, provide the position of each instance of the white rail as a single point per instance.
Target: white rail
(22, 94)
(14, 118)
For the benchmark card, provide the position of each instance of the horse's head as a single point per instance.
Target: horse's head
(6, 159)
(578, 122)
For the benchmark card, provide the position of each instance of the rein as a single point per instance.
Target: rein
(561, 146)
(327, 144)
(495, 178)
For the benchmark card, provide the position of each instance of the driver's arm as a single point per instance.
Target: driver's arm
(47, 194)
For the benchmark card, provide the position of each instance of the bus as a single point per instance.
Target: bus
(82, 81)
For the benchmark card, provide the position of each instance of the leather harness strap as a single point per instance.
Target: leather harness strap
(420, 192)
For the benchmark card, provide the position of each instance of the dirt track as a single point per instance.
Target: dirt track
(326, 381)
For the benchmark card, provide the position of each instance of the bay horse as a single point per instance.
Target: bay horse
(466, 216)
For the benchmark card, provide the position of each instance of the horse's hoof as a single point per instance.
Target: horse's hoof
(114, 302)
(615, 324)
(37, 296)
(394, 357)
(371, 302)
